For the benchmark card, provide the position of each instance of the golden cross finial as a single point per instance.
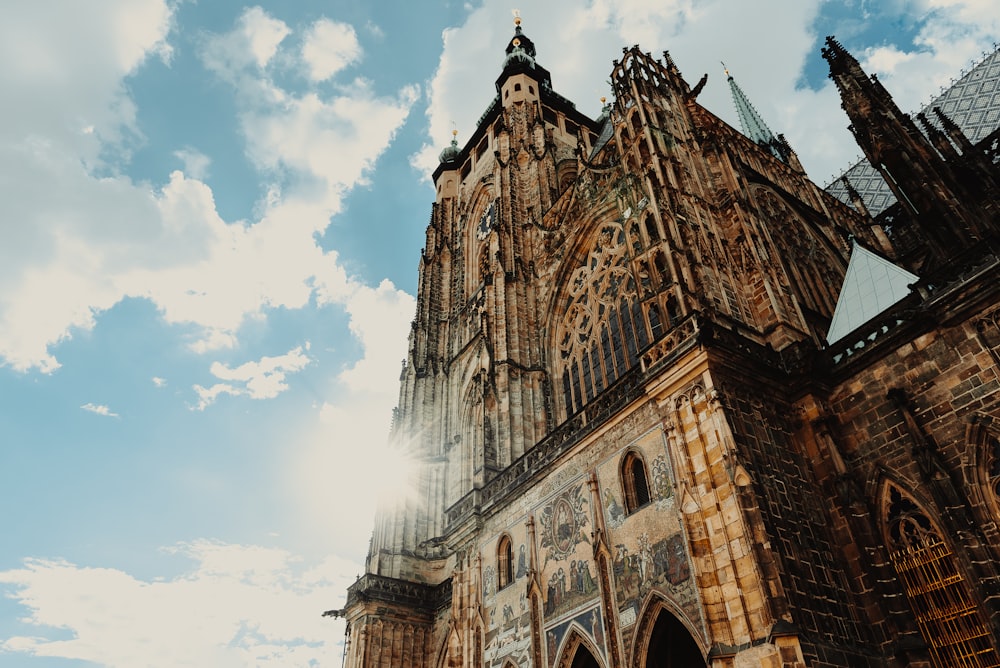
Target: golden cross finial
(517, 17)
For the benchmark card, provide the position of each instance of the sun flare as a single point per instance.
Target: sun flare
(393, 473)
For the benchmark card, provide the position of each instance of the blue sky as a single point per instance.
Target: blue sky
(211, 220)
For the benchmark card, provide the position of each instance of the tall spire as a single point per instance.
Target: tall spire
(753, 125)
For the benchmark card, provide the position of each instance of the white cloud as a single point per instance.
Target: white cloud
(159, 382)
(264, 34)
(70, 253)
(263, 379)
(884, 59)
(66, 110)
(238, 606)
(380, 319)
(195, 162)
(374, 30)
(99, 409)
(329, 46)
(954, 33)
(252, 44)
(63, 73)
(335, 140)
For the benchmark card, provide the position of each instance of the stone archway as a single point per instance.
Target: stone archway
(671, 645)
(578, 651)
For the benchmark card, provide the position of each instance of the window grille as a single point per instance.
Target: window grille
(946, 612)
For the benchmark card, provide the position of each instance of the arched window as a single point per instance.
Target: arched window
(992, 468)
(634, 238)
(584, 659)
(942, 602)
(635, 487)
(578, 652)
(672, 313)
(505, 562)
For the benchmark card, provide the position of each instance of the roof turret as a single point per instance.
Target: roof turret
(520, 56)
(520, 41)
(451, 152)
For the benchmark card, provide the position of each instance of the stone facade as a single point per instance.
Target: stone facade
(635, 446)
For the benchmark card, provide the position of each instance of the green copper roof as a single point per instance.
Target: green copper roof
(752, 124)
(872, 284)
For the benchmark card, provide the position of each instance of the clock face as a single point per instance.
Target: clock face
(485, 223)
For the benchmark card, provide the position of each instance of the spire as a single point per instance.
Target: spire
(938, 138)
(753, 125)
(520, 49)
(520, 40)
(954, 132)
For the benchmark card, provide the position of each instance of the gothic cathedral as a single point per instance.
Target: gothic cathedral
(675, 405)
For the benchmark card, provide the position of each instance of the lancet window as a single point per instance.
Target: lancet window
(505, 562)
(635, 484)
(946, 612)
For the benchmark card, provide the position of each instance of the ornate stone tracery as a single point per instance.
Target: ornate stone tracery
(602, 329)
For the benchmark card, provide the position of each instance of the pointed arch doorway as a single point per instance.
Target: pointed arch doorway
(578, 652)
(584, 659)
(671, 645)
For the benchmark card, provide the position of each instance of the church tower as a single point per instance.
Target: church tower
(635, 446)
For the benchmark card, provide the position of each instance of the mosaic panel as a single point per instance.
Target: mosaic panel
(567, 571)
(649, 549)
(508, 617)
